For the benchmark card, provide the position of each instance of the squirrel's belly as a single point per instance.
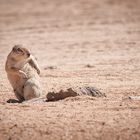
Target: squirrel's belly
(16, 81)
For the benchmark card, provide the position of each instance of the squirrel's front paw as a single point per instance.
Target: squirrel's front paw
(23, 74)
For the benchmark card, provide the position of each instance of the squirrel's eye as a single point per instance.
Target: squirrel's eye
(19, 50)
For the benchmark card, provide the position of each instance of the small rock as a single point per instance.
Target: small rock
(50, 67)
(89, 66)
(134, 97)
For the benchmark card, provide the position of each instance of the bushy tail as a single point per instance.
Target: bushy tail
(71, 92)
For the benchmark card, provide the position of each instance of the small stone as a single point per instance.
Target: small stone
(50, 67)
(134, 97)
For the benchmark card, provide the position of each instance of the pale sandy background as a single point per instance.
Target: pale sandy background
(70, 35)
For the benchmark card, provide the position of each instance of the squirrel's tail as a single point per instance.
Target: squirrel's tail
(71, 92)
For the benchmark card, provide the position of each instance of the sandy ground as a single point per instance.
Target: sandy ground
(71, 36)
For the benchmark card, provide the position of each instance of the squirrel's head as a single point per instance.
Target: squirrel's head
(20, 53)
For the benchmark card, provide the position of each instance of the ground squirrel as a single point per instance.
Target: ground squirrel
(23, 73)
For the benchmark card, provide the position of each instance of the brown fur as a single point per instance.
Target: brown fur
(23, 73)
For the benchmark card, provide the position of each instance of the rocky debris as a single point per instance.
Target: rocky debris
(89, 66)
(50, 68)
(134, 97)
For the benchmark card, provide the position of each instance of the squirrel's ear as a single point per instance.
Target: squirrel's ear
(14, 48)
(17, 46)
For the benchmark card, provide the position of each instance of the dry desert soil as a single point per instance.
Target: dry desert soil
(77, 43)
